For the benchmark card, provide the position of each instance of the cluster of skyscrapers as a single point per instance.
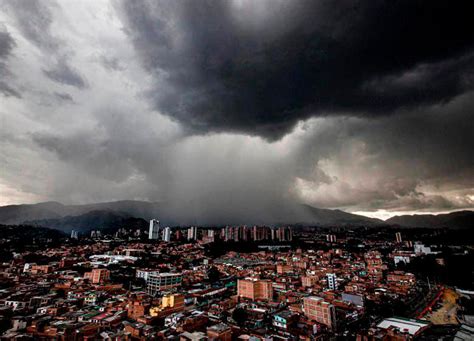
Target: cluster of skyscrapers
(228, 233)
(155, 231)
(256, 233)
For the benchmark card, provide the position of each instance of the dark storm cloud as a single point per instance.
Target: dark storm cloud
(111, 63)
(421, 159)
(346, 162)
(7, 43)
(259, 67)
(355, 105)
(7, 90)
(34, 19)
(65, 97)
(63, 73)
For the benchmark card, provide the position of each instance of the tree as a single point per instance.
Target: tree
(213, 274)
(239, 315)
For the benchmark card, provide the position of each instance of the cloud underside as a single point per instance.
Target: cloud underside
(234, 107)
(260, 67)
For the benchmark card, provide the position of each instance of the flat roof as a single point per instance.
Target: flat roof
(412, 326)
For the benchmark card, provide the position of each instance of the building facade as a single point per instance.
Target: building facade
(97, 276)
(163, 281)
(332, 282)
(255, 289)
(398, 237)
(167, 234)
(154, 230)
(316, 309)
(192, 233)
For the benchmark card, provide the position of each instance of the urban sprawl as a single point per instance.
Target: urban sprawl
(233, 283)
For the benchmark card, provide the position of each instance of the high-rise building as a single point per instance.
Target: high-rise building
(167, 234)
(179, 234)
(284, 234)
(316, 309)
(154, 231)
(260, 233)
(208, 236)
(255, 289)
(95, 234)
(255, 235)
(331, 238)
(236, 233)
(192, 233)
(332, 282)
(244, 232)
(74, 234)
(398, 237)
(228, 233)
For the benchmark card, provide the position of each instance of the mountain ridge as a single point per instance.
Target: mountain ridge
(106, 214)
(66, 217)
(457, 219)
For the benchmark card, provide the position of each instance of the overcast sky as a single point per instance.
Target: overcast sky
(365, 106)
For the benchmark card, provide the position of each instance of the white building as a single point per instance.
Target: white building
(166, 234)
(192, 233)
(162, 281)
(228, 233)
(411, 326)
(400, 258)
(421, 249)
(154, 231)
(144, 273)
(398, 237)
(111, 259)
(332, 282)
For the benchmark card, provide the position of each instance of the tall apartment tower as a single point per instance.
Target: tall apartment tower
(192, 233)
(398, 237)
(332, 283)
(167, 234)
(228, 233)
(154, 231)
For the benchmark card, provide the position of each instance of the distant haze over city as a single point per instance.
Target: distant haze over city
(228, 110)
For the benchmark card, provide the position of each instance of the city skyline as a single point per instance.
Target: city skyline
(226, 106)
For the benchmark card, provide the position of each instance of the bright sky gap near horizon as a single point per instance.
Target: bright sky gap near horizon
(333, 105)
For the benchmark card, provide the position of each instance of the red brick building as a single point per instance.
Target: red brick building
(97, 276)
(316, 309)
(255, 289)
